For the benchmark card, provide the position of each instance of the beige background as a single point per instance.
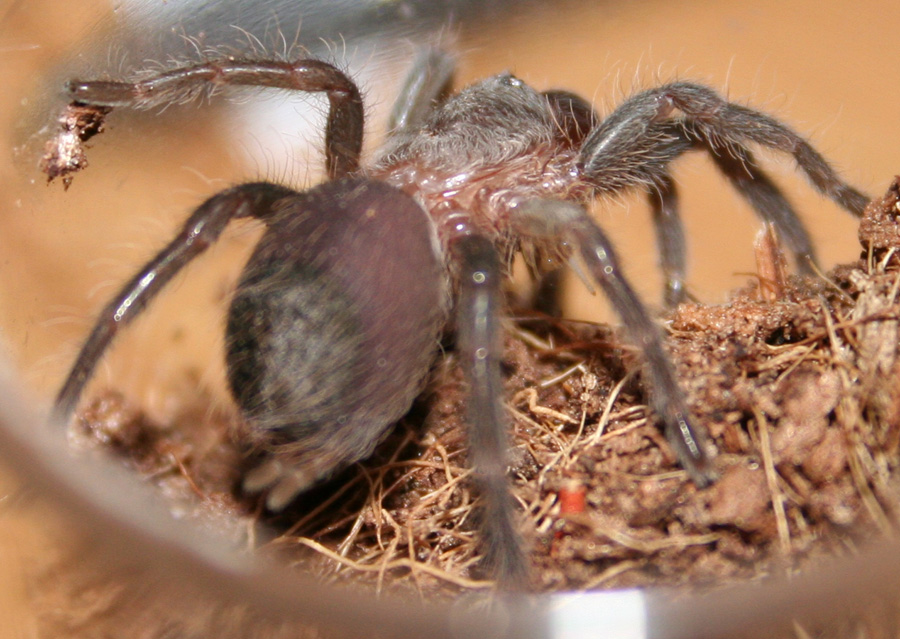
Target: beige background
(827, 67)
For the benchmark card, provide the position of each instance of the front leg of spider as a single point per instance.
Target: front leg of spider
(666, 397)
(738, 165)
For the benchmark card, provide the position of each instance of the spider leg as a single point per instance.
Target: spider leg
(770, 204)
(574, 116)
(427, 84)
(202, 228)
(548, 293)
(666, 398)
(344, 128)
(554, 218)
(738, 165)
(669, 238)
(636, 143)
(629, 146)
(617, 162)
(480, 347)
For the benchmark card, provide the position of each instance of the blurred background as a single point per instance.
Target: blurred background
(826, 67)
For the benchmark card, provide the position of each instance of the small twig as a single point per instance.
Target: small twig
(390, 565)
(607, 410)
(609, 573)
(344, 546)
(781, 523)
(862, 486)
(647, 546)
(556, 379)
(536, 409)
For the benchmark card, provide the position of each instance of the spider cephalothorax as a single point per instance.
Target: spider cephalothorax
(339, 313)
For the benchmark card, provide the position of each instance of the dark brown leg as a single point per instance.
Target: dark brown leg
(344, 130)
(480, 352)
(198, 233)
(560, 219)
(632, 147)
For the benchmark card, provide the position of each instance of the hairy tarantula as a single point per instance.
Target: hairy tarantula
(338, 315)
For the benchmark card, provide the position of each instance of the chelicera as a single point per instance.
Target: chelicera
(339, 313)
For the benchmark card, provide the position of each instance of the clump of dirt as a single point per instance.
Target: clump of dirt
(793, 380)
(64, 154)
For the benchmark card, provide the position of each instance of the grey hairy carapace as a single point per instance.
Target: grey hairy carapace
(338, 314)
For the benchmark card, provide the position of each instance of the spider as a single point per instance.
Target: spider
(339, 313)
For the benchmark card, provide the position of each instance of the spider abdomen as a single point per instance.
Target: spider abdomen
(294, 347)
(336, 321)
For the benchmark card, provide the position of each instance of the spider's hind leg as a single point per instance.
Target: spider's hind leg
(636, 144)
(544, 219)
(738, 165)
(631, 130)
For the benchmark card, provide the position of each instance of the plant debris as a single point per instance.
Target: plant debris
(64, 153)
